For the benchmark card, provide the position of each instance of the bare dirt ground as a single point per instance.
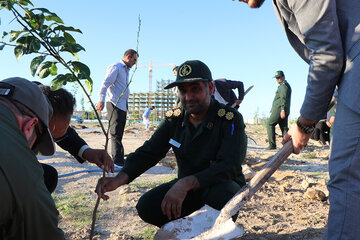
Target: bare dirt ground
(291, 205)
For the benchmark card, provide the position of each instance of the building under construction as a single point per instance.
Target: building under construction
(162, 100)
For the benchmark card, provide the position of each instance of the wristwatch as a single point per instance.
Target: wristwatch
(305, 129)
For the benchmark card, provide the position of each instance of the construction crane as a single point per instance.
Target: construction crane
(150, 66)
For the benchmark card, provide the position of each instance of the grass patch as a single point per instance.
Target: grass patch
(148, 233)
(137, 185)
(309, 155)
(75, 207)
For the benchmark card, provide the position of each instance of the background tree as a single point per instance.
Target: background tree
(44, 35)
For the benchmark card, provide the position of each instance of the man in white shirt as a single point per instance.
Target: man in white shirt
(116, 86)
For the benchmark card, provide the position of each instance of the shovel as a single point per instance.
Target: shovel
(210, 224)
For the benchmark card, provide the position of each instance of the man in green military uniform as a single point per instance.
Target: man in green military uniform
(27, 210)
(280, 109)
(209, 142)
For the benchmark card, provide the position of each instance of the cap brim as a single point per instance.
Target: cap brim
(45, 144)
(174, 84)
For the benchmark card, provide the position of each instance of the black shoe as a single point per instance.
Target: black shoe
(270, 148)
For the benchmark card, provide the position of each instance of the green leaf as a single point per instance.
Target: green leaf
(72, 48)
(53, 69)
(69, 38)
(70, 78)
(2, 47)
(30, 43)
(89, 84)
(7, 4)
(82, 70)
(44, 69)
(14, 35)
(51, 16)
(19, 51)
(35, 45)
(58, 82)
(57, 41)
(64, 28)
(54, 18)
(25, 2)
(4, 35)
(35, 64)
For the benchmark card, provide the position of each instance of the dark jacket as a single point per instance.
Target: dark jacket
(225, 90)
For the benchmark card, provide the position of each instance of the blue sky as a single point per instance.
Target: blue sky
(236, 43)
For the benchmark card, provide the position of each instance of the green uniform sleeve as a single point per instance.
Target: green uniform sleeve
(150, 153)
(283, 93)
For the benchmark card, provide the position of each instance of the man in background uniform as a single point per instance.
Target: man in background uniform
(280, 109)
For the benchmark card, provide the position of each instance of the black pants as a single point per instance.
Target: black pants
(117, 123)
(50, 177)
(149, 205)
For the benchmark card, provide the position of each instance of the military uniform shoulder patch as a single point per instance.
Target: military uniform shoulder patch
(228, 115)
(173, 113)
(221, 112)
(169, 113)
(177, 112)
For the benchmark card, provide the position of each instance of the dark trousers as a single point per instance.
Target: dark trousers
(117, 123)
(50, 177)
(216, 196)
(272, 122)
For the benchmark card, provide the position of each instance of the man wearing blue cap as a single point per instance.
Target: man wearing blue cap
(209, 142)
(27, 210)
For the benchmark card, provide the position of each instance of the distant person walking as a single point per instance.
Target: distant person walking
(115, 85)
(224, 92)
(145, 116)
(280, 109)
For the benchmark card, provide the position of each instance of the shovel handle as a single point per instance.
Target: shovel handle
(246, 192)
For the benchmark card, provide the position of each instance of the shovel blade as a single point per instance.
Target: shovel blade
(194, 226)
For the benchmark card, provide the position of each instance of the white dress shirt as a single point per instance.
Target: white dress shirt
(115, 85)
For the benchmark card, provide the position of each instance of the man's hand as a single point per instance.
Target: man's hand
(174, 198)
(299, 138)
(99, 107)
(282, 114)
(98, 157)
(110, 184)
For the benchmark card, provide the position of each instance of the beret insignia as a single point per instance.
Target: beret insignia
(221, 112)
(185, 70)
